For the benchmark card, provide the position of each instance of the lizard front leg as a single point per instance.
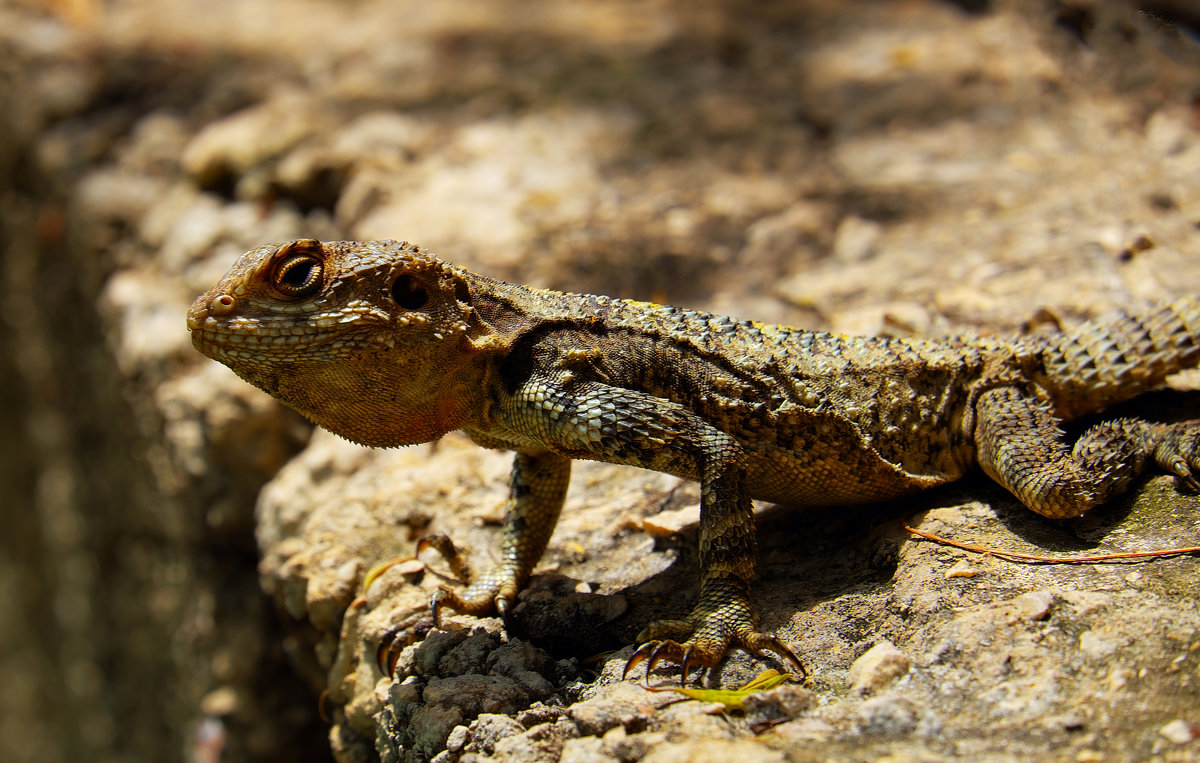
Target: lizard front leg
(724, 615)
(617, 425)
(536, 492)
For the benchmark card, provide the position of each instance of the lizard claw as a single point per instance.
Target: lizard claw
(1177, 466)
(654, 652)
(504, 609)
(774, 644)
(636, 658)
(656, 655)
(683, 665)
(1178, 452)
(408, 631)
(691, 654)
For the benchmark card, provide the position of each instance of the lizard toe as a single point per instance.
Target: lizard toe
(1178, 452)
(663, 630)
(480, 599)
(758, 643)
(638, 657)
(688, 654)
(441, 543)
(408, 631)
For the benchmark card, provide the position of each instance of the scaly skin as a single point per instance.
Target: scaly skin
(386, 345)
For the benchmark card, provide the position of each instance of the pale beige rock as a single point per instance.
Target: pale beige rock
(980, 172)
(713, 751)
(671, 522)
(1179, 731)
(877, 667)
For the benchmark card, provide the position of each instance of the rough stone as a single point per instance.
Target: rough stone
(887, 715)
(713, 751)
(475, 694)
(430, 725)
(490, 728)
(1003, 173)
(619, 705)
(877, 667)
(1179, 731)
(781, 703)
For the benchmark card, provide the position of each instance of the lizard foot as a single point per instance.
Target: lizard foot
(706, 643)
(1178, 452)
(494, 591)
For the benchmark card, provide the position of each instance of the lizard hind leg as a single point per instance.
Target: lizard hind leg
(1021, 446)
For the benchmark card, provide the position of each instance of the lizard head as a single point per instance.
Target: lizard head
(370, 340)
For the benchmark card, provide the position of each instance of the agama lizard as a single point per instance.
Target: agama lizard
(385, 344)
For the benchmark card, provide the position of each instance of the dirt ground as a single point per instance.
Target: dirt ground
(182, 559)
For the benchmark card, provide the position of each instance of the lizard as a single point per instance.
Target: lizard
(387, 345)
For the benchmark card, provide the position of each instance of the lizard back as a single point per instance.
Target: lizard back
(823, 418)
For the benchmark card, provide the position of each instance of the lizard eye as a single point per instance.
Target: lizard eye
(409, 293)
(298, 276)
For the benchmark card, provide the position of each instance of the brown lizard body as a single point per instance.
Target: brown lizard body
(385, 344)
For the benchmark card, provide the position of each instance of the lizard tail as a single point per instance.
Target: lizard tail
(1116, 357)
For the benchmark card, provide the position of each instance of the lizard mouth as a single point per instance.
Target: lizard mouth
(218, 332)
(239, 340)
(237, 330)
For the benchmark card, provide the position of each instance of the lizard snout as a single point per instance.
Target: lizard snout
(205, 307)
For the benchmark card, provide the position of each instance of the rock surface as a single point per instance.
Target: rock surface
(905, 168)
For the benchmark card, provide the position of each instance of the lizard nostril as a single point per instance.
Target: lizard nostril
(222, 304)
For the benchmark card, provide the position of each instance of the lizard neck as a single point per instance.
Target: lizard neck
(382, 403)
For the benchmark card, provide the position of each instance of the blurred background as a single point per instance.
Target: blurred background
(868, 166)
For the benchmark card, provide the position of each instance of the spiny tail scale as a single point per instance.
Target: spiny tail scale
(1115, 358)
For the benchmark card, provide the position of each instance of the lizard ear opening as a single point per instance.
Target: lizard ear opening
(409, 292)
(462, 292)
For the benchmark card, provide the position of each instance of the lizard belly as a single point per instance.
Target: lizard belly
(855, 454)
(822, 479)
